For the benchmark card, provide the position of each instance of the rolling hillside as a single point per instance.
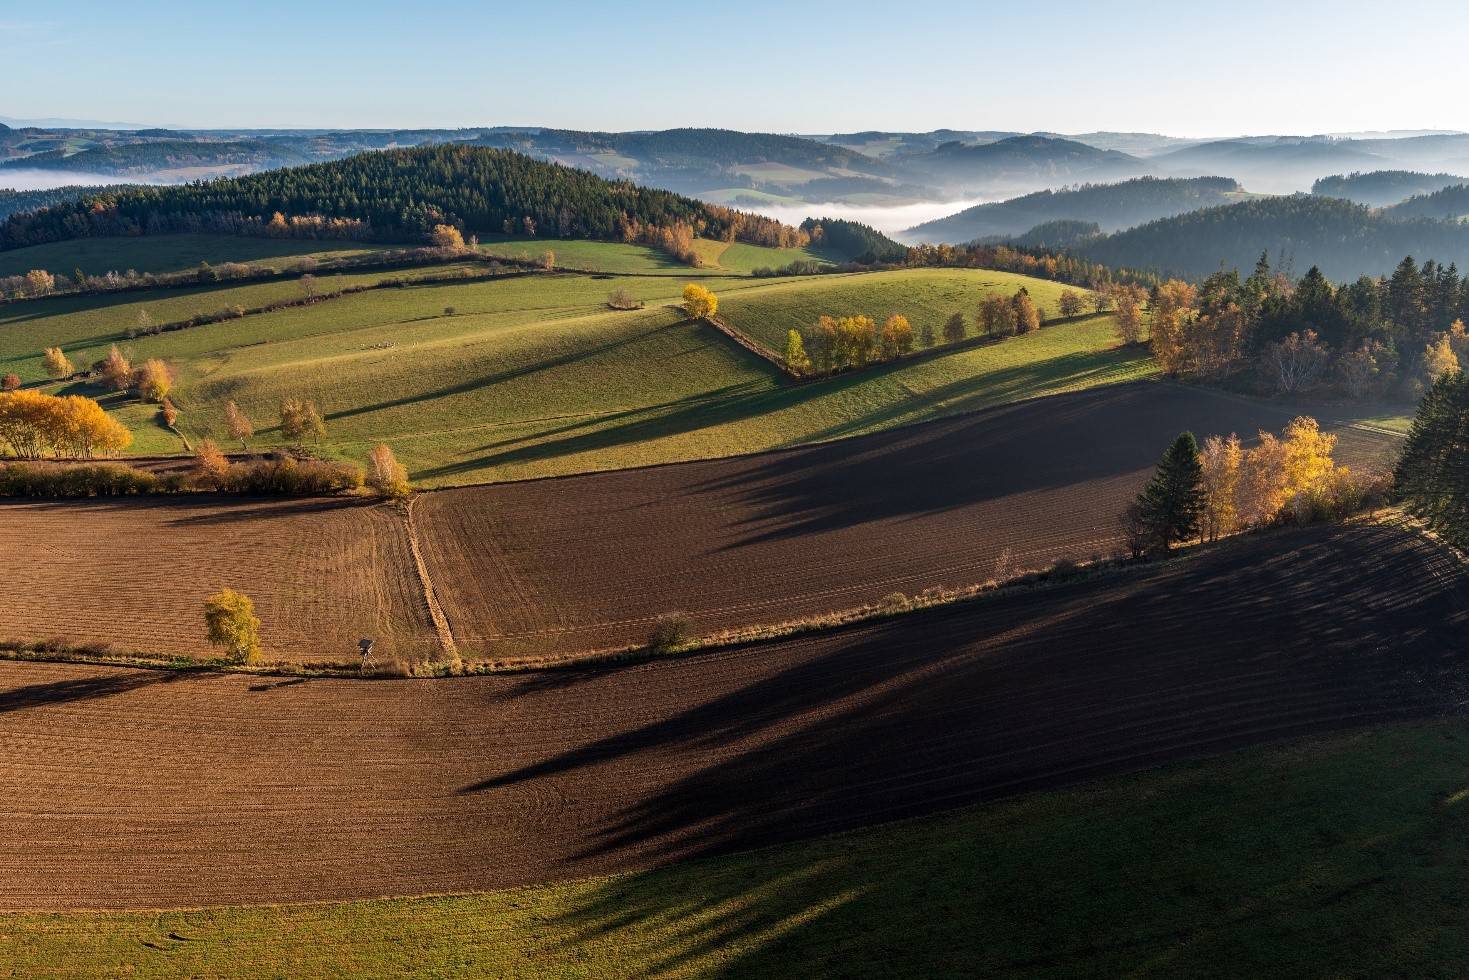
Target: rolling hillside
(1382, 188)
(1345, 240)
(1110, 206)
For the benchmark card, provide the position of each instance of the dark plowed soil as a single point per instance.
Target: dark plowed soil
(589, 562)
(122, 788)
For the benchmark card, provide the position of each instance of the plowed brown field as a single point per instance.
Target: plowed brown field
(589, 562)
(134, 573)
(130, 788)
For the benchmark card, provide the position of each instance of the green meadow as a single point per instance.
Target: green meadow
(166, 253)
(1335, 857)
(533, 374)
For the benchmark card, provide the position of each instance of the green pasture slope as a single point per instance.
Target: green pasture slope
(620, 258)
(166, 253)
(924, 296)
(532, 374)
(1335, 857)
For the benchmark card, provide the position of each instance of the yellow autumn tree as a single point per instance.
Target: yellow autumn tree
(154, 380)
(1027, 317)
(230, 622)
(385, 475)
(1439, 358)
(698, 302)
(796, 360)
(1220, 461)
(1308, 465)
(1173, 309)
(56, 363)
(447, 236)
(897, 336)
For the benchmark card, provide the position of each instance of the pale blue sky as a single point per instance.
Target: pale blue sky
(1277, 67)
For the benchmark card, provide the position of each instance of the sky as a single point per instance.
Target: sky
(814, 67)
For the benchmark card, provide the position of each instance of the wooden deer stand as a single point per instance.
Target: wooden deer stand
(364, 647)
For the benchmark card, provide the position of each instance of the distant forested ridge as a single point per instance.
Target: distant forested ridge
(1112, 206)
(1445, 203)
(162, 155)
(400, 195)
(1055, 235)
(14, 202)
(1345, 240)
(1380, 188)
(863, 243)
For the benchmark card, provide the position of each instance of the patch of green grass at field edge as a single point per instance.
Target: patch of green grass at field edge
(1340, 856)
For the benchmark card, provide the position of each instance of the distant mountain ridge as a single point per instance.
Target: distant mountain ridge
(1381, 188)
(1109, 206)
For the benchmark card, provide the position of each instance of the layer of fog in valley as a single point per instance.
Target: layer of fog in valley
(888, 219)
(44, 180)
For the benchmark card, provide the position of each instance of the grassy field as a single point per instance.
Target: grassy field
(532, 375)
(1336, 857)
(619, 258)
(164, 253)
(924, 296)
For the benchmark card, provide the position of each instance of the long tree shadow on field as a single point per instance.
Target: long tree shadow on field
(1311, 631)
(1012, 451)
(83, 688)
(739, 403)
(1040, 687)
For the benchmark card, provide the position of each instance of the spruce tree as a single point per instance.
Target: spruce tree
(1172, 500)
(1432, 476)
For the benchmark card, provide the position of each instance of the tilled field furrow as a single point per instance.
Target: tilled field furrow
(124, 788)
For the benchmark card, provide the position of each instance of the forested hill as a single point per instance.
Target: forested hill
(1380, 188)
(399, 195)
(1447, 202)
(1345, 240)
(1112, 206)
(12, 202)
(138, 159)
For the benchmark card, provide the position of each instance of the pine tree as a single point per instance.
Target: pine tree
(1432, 476)
(1172, 500)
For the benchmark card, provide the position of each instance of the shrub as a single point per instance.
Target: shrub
(57, 364)
(231, 623)
(117, 370)
(284, 475)
(11, 382)
(669, 632)
(85, 480)
(621, 299)
(154, 380)
(168, 414)
(698, 302)
(211, 468)
(386, 476)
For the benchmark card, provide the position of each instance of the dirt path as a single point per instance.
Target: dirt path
(430, 597)
(125, 788)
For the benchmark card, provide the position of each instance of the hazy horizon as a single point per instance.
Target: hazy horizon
(817, 69)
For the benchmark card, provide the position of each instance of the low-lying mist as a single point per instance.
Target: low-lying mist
(44, 180)
(888, 219)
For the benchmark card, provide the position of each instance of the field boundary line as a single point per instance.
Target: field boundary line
(435, 611)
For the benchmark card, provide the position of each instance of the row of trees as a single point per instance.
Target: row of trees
(1366, 339)
(33, 424)
(1224, 488)
(844, 343)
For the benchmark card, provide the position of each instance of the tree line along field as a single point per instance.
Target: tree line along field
(927, 297)
(533, 375)
(545, 568)
(502, 781)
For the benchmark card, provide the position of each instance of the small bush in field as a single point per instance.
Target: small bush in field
(669, 633)
(231, 623)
